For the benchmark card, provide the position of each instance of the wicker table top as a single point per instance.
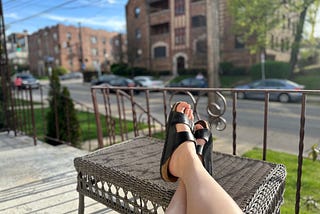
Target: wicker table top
(126, 178)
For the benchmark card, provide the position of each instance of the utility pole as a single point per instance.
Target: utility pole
(213, 46)
(82, 61)
(5, 79)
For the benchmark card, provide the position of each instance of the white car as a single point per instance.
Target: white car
(149, 82)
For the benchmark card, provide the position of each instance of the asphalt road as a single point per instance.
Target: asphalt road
(283, 119)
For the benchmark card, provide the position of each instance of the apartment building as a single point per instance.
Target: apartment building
(75, 48)
(17, 49)
(166, 35)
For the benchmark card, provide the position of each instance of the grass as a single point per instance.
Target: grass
(309, 77)
(87, 124)
(310, 179)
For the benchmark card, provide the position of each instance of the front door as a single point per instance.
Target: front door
(180, 63)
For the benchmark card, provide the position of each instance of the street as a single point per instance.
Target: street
(283, 119)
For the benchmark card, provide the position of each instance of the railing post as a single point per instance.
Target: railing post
(234, 123)
(97, 115)
(32, 118)
(300, 156)
(265, 126)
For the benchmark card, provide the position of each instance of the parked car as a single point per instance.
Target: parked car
(28, 81)
(123, 82)
(272, 84)
(104, 79)
(149, 82)
(71, 75)
(191, 82)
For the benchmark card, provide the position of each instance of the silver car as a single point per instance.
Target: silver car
(281, 96)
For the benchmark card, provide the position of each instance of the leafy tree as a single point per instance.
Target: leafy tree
(252, 20)
(62, 122)
(301, 7)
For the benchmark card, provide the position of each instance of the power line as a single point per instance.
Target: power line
(45, 11)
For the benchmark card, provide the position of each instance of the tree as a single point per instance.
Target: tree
(252, 20)
(301, 7)
(62, 122)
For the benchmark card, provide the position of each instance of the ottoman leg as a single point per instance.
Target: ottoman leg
(81, 204)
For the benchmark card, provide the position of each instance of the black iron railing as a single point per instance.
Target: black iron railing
(144, 106)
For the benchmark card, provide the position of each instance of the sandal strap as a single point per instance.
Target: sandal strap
(202, 134)
(199, 149)
(184, 136)
(178, 117)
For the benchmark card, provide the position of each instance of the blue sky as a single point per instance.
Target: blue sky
(33, 15)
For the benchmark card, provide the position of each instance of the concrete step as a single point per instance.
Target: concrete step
(39, 179)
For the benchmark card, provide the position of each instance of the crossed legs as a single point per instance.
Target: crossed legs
(197, 191)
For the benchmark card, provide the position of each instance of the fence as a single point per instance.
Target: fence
(120, 105)
(122, 113)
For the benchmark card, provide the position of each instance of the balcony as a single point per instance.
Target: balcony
(239, 126)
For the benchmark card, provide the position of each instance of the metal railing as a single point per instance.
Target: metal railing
(28, 111)
(144, 106)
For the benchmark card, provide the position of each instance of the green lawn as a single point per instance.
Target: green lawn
(87, 123)
(309, 78)
(310, 179)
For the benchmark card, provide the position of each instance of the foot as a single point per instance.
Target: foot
(186, 151)
(184, 108)
(178, 131)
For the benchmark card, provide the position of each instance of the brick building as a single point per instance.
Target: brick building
(166, 35)
(74, 48)
(17, 48)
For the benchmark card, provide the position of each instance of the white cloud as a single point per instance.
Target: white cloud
(113, 23)
(12, 16)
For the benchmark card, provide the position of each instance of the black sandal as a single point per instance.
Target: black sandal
(205, 151)
(173, 140)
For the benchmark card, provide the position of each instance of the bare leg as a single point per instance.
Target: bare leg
(178, 203)
(204, 194)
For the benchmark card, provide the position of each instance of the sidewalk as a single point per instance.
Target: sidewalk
(39, 179)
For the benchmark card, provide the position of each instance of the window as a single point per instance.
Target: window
(272, 42)
(104, 40)
(94, 52)
(138, 33)
(198, 21)
(55, 36)
(201, 46)
(160, 29)
(56, 49)
(239, 43)
(69, 36)
(180, 36)
(179, 7)
(160, 52)
(137, 12)
(93, 40)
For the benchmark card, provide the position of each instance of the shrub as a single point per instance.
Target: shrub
(273, 69)
(119, 68)
(62, 114)
(60, 70)
(192, 71)
(228, 68)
